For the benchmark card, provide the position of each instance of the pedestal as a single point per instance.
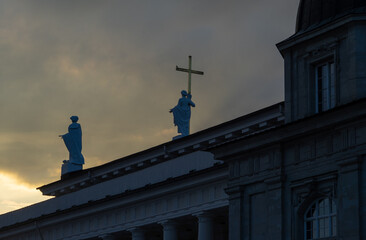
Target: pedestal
(177, 137)
(68, 167)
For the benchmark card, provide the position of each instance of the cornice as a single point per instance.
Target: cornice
(317, 30)
(247, 125)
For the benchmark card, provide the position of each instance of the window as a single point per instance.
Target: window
(325, 87)
(320, 220)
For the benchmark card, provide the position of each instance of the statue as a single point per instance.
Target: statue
(73, 144)
(182, 113)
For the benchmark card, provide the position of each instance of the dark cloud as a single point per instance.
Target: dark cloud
(113, 64)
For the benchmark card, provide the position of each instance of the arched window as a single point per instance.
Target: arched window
(320, 220)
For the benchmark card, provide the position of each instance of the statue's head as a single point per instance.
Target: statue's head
(74, 118)
(184, 93)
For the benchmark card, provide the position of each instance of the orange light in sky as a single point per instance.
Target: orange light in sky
(15, 194)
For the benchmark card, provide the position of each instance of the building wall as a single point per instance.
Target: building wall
(341, 43)
(145, 209)
(181, 190)
(271, 187)
(363, 197)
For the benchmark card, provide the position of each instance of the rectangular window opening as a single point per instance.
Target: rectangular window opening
(325, 87)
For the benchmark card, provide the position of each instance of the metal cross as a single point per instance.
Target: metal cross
(189, 71)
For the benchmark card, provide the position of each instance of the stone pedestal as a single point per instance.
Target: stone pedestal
(177, 137)
(205, 226)
(68, 167)
(169, 230)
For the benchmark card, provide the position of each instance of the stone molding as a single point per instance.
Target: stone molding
(86, 223)
(299, 38)
(247, 125)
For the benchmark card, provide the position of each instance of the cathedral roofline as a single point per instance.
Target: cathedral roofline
(249, 124)
(312, 14)
(313, 124)
(216, 172)
(317, 30)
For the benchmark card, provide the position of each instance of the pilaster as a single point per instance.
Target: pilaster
(235, 212)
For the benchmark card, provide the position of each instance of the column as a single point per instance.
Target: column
(107, 237)
(169, 230)
(349, 225)
(137, 233)
(238, 212)
(205, 226)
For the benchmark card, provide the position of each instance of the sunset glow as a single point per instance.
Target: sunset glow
(15, 194)
(113, 64)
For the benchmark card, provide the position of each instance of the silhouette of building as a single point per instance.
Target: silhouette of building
(295, 170)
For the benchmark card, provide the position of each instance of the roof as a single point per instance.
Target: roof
(249, 124)
(314, 13)
(57, 206)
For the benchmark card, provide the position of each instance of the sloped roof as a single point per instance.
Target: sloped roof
(318, 12)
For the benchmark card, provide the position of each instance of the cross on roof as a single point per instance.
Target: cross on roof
(189, 71)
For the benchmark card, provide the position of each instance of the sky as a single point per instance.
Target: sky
(112, 63)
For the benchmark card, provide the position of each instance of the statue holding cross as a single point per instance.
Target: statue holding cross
(182, 112)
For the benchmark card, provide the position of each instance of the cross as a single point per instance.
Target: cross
(189, 71)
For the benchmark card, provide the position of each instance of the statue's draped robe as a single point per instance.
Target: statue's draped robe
(72, 141)
(182, 115)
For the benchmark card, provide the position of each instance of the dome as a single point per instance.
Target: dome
(313, 13)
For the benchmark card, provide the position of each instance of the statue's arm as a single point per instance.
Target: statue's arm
(192, 104)
(190, 100)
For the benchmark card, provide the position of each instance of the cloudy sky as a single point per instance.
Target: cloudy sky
(112, 63)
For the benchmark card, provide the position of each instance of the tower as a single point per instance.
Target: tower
(325, 59)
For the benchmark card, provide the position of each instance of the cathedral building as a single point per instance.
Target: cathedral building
(295, 170)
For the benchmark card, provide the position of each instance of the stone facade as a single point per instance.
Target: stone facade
(306, 178)
(343, 44)
(273, 182)
(185, 190)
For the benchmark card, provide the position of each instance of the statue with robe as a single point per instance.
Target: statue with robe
(182, 113)
(72, 141)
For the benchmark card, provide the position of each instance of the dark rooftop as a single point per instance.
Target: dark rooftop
(313, 13)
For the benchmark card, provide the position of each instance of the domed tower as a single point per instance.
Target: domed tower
(325, 60)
